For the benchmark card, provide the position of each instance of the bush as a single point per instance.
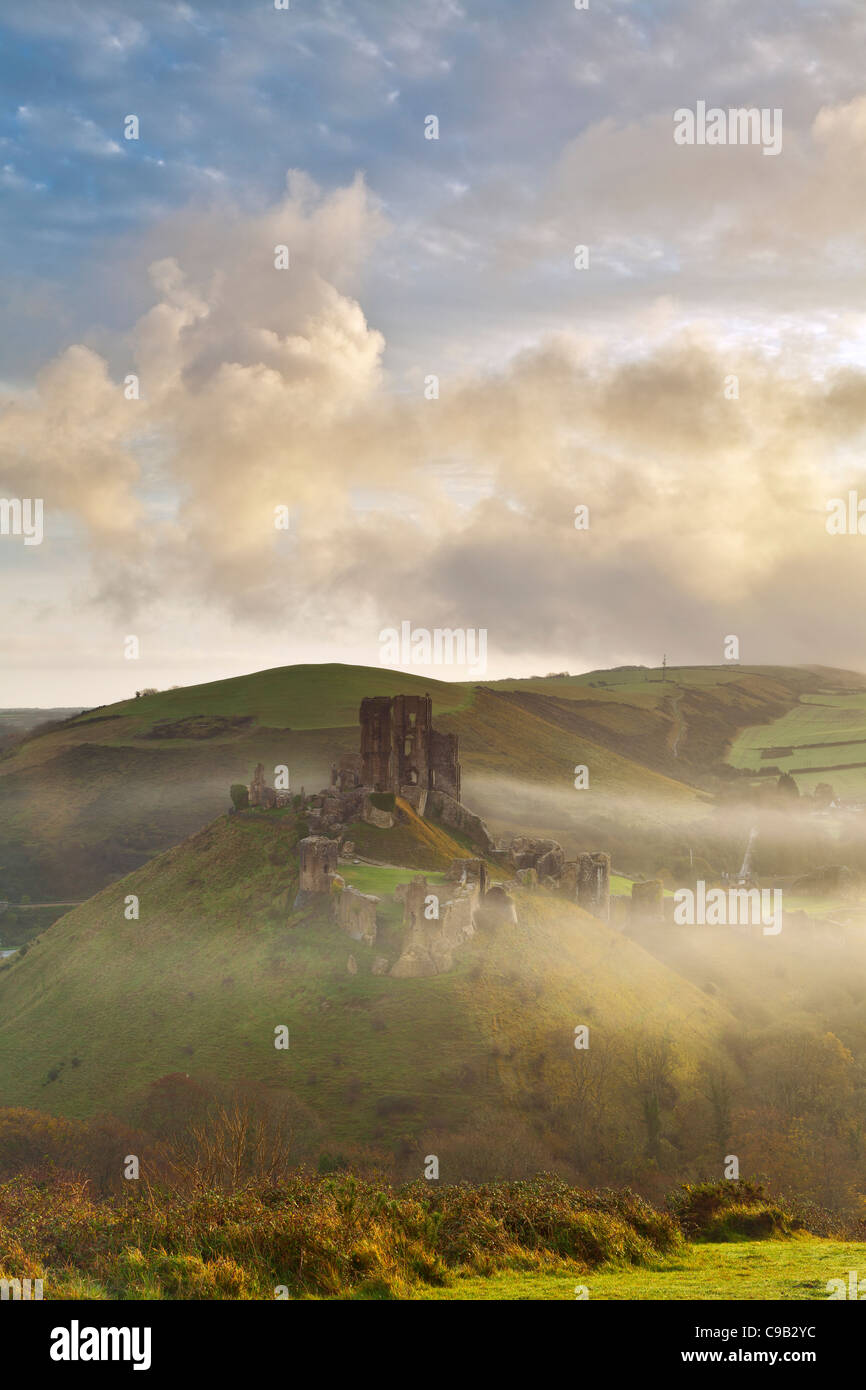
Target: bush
(332, 1236)
(240, 795)
(733, 1210)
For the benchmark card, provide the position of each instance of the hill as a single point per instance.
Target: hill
(85, 803)
(101, 1007)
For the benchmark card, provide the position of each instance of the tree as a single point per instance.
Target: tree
(787, 787)
(649, 1068)
(240, 795)
(717, 1086)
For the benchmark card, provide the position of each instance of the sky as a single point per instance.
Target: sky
(249, 457)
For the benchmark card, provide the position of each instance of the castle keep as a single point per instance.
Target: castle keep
(400, 748)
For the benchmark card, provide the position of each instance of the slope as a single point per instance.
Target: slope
(102, 1006)
(94, 799)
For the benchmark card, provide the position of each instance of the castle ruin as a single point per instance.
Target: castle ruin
(402, 756)
(400, 748)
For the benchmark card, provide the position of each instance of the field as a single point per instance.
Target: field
(796, 1269)
(822, 739)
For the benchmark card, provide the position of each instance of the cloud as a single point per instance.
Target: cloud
(263, 387)
(59, 128)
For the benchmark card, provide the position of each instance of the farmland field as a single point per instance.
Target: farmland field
(822, 739)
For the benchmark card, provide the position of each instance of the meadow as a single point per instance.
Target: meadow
(822, 739)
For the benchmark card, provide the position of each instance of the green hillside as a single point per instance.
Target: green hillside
(85, 803)
(822, 739)
(295, 697)
(100, 1006)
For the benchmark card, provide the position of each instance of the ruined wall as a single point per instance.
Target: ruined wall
(356, 914)
(470, 873)
(264, 796)
(347, 772)
(454, 813)
(568, 880)
(647, 901)
(429, 943)
(400, 748)
(375, 815)
(318, 859)
(593, 884)
(545, 856)
(377, 769)
(257, 785)
(412, 719)
(444, 767)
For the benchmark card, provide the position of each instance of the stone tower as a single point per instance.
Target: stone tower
(400, 747)
(319, 858)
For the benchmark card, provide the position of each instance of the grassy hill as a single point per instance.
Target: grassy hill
(85, 803)
(101, 1007)
(822, 739)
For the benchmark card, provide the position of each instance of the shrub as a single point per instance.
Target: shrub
(732, 1210)
(240, 795)
(330, 1236)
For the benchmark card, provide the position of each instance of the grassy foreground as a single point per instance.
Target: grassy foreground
(313, 1237)
(343, 1238)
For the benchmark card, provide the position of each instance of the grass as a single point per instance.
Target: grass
(822, 739)
(216, 959)
(381, 879)
(793, 1270)
(343, 1238)
(315, 1238)
(621, 884)
(296, 697)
